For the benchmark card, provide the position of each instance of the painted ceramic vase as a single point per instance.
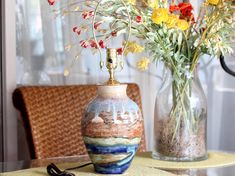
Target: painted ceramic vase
(112, 128)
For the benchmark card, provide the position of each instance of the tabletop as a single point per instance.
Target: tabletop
(19, 165)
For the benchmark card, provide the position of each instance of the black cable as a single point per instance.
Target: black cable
(78, 167)
(225, 67)
(53, 170)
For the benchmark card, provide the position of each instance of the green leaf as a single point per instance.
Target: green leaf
(180, 39)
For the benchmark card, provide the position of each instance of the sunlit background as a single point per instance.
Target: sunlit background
(41, 41)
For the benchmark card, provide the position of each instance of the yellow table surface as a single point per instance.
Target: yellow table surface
(142, 164)
(134, 170)
(215, 159)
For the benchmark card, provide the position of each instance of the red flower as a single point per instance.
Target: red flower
(77, 30)
(185, 5)
(51, 2)
(174, 8)
(186, 11)
(102, 44)
(114, 33)
(139, 19)
(189, 17)
(87, 14)
(84, 44)
(97, 24)
(185, 8)
(119, 51)
(93, 44)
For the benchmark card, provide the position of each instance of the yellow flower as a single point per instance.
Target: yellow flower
(152, 3)
(132, 2)
(143, 63)
(213, 2)
(77, 8)
(182, 24)
(66, 72)
(65, 12)
(133, 47)
(172, 21)
(160, 15)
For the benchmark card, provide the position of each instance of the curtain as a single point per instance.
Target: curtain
(42, 58)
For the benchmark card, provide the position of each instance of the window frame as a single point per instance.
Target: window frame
(1, 115)
(8, 81)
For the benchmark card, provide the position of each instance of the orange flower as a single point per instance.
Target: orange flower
(174, 8)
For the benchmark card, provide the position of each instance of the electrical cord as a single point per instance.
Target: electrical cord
(53, 170)
(225, 67)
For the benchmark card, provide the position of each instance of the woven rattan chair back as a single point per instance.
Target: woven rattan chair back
(52, 116)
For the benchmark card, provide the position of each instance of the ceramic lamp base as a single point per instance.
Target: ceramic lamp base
(112, 128)
(111, 157)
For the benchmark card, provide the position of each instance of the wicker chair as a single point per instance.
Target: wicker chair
(52, 115)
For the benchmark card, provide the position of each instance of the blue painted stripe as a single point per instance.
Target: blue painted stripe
(117, 167)
(96, 149)
(112, 168)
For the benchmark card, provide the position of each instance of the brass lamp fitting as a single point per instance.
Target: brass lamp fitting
(111, 65)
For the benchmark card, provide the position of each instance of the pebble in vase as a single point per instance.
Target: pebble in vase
(180, 123)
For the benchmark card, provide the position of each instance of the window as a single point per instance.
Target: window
(34, 52)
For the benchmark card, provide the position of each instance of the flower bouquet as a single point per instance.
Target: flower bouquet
(176, 36)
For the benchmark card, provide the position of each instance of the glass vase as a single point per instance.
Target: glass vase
(180, 122)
